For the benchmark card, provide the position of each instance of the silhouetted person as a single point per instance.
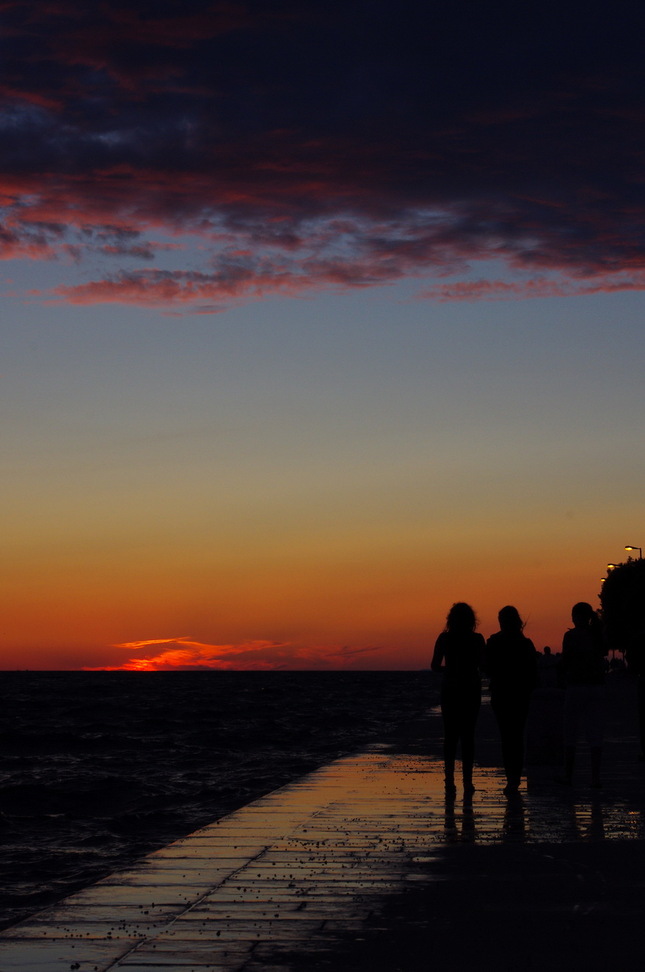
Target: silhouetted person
(458, 653)
(511, 664)
(583, 670)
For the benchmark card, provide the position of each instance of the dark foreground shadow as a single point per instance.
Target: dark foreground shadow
(508, 907)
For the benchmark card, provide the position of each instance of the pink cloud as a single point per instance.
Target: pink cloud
(526, 289)
(184, 654)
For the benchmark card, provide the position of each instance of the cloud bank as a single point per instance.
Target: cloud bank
(197, 154)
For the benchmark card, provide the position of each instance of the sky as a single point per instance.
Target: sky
(316, 318)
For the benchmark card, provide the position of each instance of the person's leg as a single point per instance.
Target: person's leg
(596, 760)
(450, 739)
(594, 726)
(569, 764)
(641, 713)
(509, 721)
(501, 710)
(515, 745)
(570, 735)
(470, 712)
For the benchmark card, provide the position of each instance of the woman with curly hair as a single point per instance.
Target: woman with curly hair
(458, 653)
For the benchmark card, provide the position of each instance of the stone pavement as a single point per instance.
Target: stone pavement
(364, 865)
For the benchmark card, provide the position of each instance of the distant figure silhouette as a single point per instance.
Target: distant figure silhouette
(548, 668)
(458, 653)
(511, 664)
(583, 670)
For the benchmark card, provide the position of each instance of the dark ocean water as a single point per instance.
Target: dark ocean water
(99, 768)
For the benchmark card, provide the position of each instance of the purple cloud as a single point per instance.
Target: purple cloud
(285, 147)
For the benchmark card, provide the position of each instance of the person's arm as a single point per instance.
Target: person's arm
(533, 676)
(438, 656)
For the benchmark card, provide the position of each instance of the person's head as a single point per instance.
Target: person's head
(461, 617)
(510, 621)
(582, 614)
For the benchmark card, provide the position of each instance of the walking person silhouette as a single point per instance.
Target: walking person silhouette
(583, 670)
(458, 653)
(511, 664)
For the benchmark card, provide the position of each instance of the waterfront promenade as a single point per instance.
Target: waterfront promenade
(363, 865)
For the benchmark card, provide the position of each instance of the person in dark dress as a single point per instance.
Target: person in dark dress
(511, 664)
(583, 671)
(458, 653)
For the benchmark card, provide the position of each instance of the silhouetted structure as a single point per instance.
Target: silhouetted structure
(622, 601)
(583, 671)
(511, 664)
(458, 653)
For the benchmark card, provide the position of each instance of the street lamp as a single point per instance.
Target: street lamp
(611, 566)
(640, 550)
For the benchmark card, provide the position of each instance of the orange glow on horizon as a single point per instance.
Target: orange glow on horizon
(360, 596)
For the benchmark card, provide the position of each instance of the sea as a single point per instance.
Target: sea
(99, 768)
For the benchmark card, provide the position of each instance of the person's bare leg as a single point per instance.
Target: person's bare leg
(449, 768)
(596, 757)
(569, 761)
(468, 759)
(467, 773)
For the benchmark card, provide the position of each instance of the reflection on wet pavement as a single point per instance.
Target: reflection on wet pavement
(543, 813)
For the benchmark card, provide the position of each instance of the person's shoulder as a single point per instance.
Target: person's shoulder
(442, 641)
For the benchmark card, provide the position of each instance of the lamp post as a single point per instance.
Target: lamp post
(640, 550)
